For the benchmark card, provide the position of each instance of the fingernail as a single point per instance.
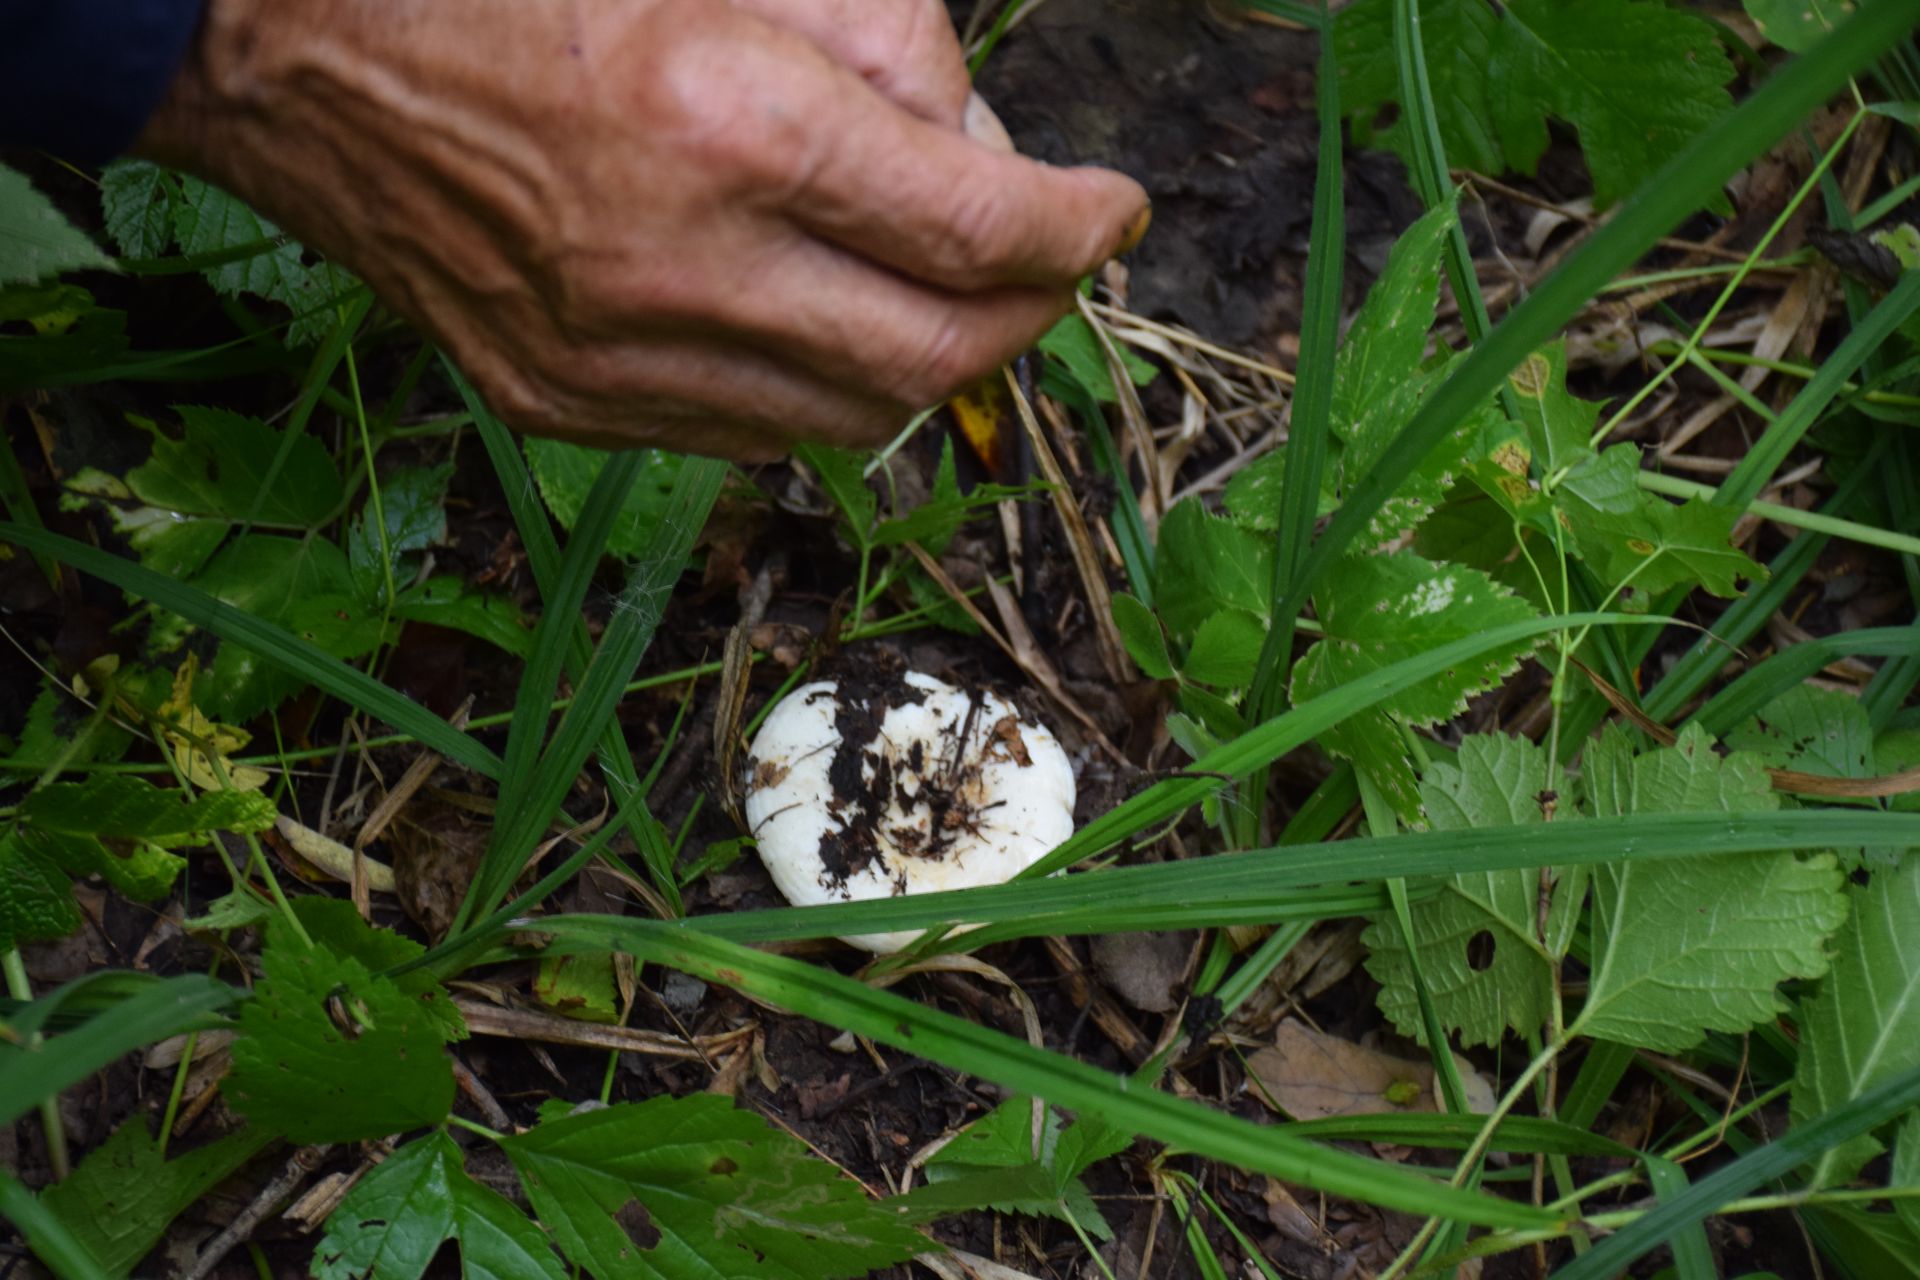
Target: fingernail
(983, 126)
(1137, 230)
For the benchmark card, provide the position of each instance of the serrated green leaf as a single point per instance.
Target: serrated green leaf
(302, 584)
(220, 466)
(1861, 1026)
(206, 220)
(60, 727)
(934, 522)
(378, 1070)
(1388, 336)
(1225, 649)
(334, 924)
(36, 240)
(1203, 564)
(1813, 730)
(1635, 78)
(413, 500)
(1379, 610)
(1797, 25)
(1687, 946)
(118, 1201)
(1668, 546)
(395, 1219)
(1140, 632)
(840, 472)
(565, 474)
(117, 807)
(446, 601)
(1480, 951)
(719, 1193)
(136, 202)
(141, 871)
(36, 902)
(997, 1163)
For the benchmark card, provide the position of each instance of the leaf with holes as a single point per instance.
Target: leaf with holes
(319, 1031)
(1690, 945)
(1861, 1026)
(1480, 950)
(395, 1219)
(686, 1186)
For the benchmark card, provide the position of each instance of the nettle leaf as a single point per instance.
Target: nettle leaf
(395, 1219)
(334, 924)
(120, 828)
(1636, 79)
(564, 474)
(1485, 964)
(414, 502)
(693, 1186)
(115, 807)
(1379, 383)
(1203, 564)
(36, 902)
(36, 240)
(136, 202)
(1670, 546)
(1690, 945)
(1797, 25)
(305, 585)
(1813, 730)
(206, 220)
(1225, 650)
(1861, 1026)
(445, 600)
(1375, 611)
(60, 727)
(118, 1201)
(996, 1163)
(175, 508)
(330, 1052)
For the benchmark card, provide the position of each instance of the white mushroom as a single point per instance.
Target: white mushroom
(882, 784)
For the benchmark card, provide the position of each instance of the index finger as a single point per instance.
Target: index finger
(942, 208)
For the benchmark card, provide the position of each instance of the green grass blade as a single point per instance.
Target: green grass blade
(152, 1012)
(964, 1046)
(543, 557)
(273, 643)
(1775, 1160)
(1272, 739)
(1526, 1135)
(1246, 887)
(1311, 413)
(636, 614)
(1769, 679)
(559, 619)
(1764, 458)
(45, 1234)
(1682, 185)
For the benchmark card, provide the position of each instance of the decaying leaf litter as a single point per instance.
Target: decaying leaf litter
(1538, 497)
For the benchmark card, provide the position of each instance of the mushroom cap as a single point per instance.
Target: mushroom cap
(875, 786)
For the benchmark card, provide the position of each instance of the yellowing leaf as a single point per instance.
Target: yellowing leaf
(197, 741)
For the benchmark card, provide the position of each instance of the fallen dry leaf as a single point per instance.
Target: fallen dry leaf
(1311, 1075)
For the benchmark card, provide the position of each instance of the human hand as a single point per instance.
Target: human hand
(718, 226)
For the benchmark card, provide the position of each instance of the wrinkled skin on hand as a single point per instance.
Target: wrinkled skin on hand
(721, 226)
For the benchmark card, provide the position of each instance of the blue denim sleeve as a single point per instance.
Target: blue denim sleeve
(79, 78)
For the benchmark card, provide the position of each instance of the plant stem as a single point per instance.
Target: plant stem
(1886, 539)
(21, 989)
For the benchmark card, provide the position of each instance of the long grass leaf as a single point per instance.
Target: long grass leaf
(45, 1233)
(274, 643)
(965, 1046)
(1244, 887)
(1775, 1160)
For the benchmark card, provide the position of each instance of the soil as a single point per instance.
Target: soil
(1215, 115)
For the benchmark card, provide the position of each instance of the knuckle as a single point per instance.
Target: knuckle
(947, 359)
